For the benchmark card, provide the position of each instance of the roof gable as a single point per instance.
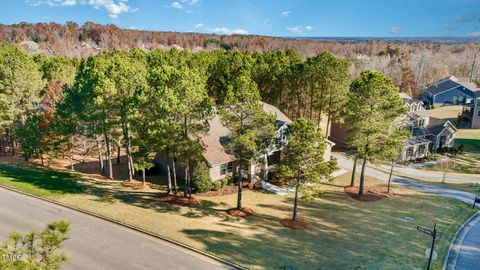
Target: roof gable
(450, 83)
(217, 136)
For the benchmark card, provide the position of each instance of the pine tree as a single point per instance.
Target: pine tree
(373, 105)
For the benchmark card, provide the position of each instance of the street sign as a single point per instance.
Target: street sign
(435, 236)
(424, 230)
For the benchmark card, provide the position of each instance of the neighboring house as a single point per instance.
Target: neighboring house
(450, 91)
(223, 164)
(476, 112)
(428, 134)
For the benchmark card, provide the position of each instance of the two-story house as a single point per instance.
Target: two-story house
(223, 164)
(428, 134)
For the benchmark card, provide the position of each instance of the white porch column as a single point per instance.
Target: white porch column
(251, 171)
(265, 168)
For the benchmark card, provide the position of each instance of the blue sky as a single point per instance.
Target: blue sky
(348, 18)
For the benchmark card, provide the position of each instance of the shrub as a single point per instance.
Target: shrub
(224, 182)
(217, 185)
(201, 181)
(230, 180)
(461, 148)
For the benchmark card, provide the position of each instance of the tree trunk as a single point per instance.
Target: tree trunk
(319, 117)
(390, 178)
(352, 182)
(240, 185)
(126, 136)
(41, 158)
(169, 177)
(109, 156)
(119, 148)
(329, 120)
(185, 185)
(143, 176)
(174, 169)
(189, 180)
(100, 156)
(362, 177)
(70, 154)
(12, 142)
(295, 203)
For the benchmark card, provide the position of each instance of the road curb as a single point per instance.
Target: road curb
(458, 238)
(137, 229)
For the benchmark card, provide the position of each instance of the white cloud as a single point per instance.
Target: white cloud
(474, 34)
(299, 29)
(466, 17)
(285, 13)
(176, 5)
(53, 3)
(228, 31)
(184, 4)
(113, 7)
(295, 29)
(395, 30)
(199, 25)
(448, 27)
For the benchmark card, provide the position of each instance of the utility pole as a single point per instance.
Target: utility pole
(473, 66)
(419, 71)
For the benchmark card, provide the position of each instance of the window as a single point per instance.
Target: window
(409, 152)
(478, 113)
(226, 168)
(455, 99)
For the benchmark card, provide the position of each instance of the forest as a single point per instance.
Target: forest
(412, 66)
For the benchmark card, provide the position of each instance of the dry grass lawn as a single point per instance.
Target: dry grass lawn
(342, 234)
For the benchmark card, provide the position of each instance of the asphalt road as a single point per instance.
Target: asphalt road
(95, 243)
(469, 252)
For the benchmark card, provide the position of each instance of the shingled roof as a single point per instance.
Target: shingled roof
(450, 83)
(436, 126)
(443, 85)
(218, 135)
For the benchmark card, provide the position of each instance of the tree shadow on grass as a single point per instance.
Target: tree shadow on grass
(364, 235)
(52, 181)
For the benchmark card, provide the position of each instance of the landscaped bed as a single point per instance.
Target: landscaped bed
(342, 233)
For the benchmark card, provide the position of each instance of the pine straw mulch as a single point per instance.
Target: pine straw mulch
(179, 199)
(242, 212)
(370, 194)
(299, 225)
(231, 189)
(136, 185)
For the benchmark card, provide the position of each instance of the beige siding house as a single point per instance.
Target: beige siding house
(223, 164)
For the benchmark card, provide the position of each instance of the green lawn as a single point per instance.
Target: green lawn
(342, 234)
(446, 112)
(469, 161)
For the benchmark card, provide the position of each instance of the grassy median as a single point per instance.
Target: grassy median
(343, 233)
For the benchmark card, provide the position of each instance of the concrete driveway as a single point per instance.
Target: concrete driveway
(95, 243)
